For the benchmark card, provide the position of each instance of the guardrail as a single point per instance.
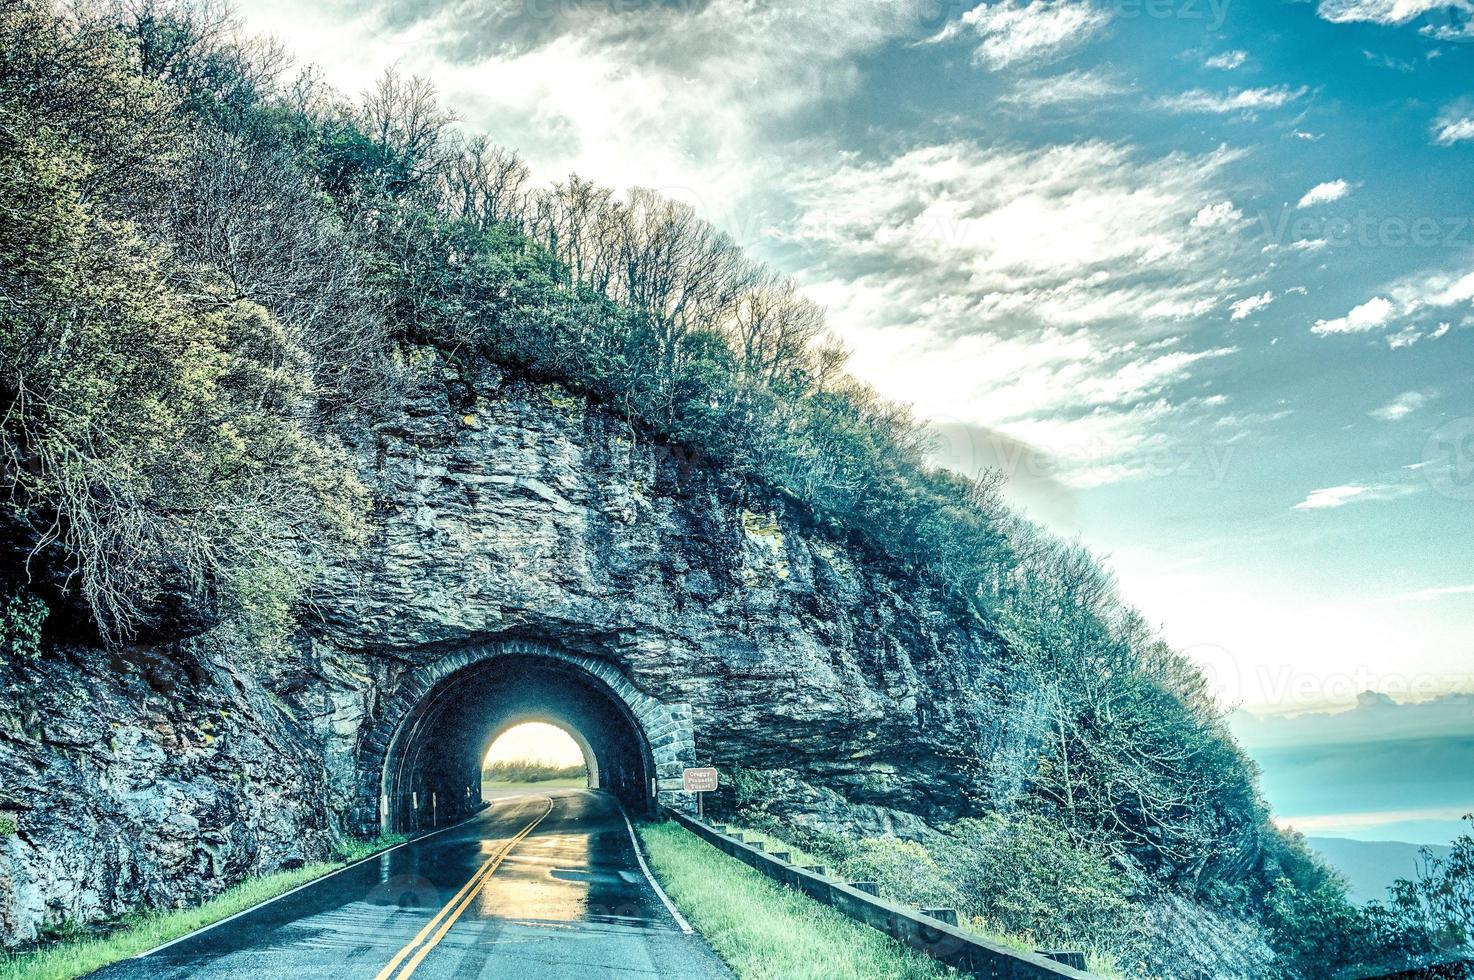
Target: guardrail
(929, 934)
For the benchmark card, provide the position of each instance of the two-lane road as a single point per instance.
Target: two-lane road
(538, 886)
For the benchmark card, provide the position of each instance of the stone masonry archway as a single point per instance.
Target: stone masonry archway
(419, 761)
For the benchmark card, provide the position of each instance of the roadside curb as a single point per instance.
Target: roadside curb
(659, 892)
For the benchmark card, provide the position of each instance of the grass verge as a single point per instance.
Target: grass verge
(763, 930)
(142, 931)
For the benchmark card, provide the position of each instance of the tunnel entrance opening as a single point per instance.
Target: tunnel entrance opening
(537, 752)
(445, 725)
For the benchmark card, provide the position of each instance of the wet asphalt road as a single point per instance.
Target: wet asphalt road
(538, 886)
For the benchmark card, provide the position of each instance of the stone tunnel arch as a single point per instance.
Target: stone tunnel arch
(419, 761)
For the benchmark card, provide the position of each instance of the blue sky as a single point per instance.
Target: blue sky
(1198, 273)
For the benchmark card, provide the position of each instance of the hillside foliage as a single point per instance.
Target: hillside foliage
(209, 265)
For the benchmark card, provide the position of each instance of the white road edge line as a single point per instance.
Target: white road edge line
(308, 884)
(660, 892)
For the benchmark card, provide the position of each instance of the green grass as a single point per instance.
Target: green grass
(142, 931)
(764, 930)
(352, 849)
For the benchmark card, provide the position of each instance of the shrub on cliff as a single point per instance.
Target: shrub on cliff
(904, 870)
(1026, 874)
(154, 439)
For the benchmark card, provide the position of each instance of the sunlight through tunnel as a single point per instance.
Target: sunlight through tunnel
(433, 768)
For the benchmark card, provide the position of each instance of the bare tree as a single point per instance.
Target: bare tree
(772, 327)
(486, 185)
(405, 119)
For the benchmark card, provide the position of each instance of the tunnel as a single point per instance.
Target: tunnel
(436, 732)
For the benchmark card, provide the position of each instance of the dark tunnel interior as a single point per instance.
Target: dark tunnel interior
(432, 773)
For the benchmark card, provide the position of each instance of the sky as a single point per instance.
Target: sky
(1198, 274)
(535, 741)
(1380, 771)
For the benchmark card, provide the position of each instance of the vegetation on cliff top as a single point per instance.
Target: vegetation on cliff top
(209, 267)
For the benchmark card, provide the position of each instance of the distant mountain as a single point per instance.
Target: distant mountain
(1378, 771)
(1371, 866)
(1375, 718)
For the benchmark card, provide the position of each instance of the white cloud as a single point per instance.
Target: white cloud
(1250, 305)
(1331, 497)
(1346, 824)
(1416, 299)
(1247, 100)
(668, 102)
(1405, 337)
(1331, 190)
(1227, 61)
(1374, 313)
(1220, 215)
(1011, 32)
(1448, 28)
(1065, 235)
(1412, 333)
(1445, 291)
(1068, 89)
(1400, 407)
(1385, 12)
(1429, 595)
(1450, 130)
(1042, 291)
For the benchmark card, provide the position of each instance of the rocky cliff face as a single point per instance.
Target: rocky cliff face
(503, 510)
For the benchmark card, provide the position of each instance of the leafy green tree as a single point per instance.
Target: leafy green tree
(1316, 932)
(1429, 916)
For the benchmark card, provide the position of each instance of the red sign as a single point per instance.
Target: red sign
(699, 780)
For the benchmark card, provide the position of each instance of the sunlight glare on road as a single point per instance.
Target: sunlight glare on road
(535, 741)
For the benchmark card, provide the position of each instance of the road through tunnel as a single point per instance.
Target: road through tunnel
(421, 766)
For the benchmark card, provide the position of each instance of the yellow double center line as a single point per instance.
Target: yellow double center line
(434, 931)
